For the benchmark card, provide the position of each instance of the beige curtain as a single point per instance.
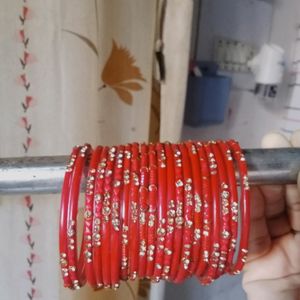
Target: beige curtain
(71, 72)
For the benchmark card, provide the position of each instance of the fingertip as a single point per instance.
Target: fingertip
(257, 205)
(275, 140)
(295, 138)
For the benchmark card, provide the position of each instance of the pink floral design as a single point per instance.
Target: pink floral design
(26, 57)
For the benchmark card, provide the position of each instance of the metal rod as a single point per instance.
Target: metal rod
(42, 175)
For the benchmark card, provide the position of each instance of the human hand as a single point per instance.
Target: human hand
(272, 270)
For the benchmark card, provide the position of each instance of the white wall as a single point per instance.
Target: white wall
(233, 19)
(285, 31)
(256, 22)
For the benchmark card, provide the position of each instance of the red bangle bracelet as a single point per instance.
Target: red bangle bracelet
(225, 231)
(179, 220)
(152, 222)
(106, 218)
(156, 211)
(88, 218)
(76, 266)
(233, 201)
(210, 273)
(207, 211)
(171, 213)
(188, 208)
(143, 213)
(134, 213)
(161, 211)
(244, 207)
(97, 217)
(196, 174)
(63, 245)
(125, 212)
(115, 239)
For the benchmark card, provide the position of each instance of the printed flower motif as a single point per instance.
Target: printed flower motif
(121, 74)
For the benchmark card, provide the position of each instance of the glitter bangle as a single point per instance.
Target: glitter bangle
(63, 245)
(88, 218)
(152, 222)
(210, 272)
(115, 238)
(124, 212)
(244, 207)
(225, 230)
(76, 265)
(143, 210)
(97, 217)
(188, 211)
(196, 177)
(207, 211)
(133, 212)
(106, 217)
(161, 211)
(233, 201)
(179, 220)
(171, 211)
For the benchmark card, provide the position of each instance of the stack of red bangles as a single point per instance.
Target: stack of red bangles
(157, 211)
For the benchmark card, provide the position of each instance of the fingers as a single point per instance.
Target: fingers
(275, 140)
(275, 210)
(278, 226)
(275, 205)
(293, 192)
(259, 241)
(274, 200)
(295, 138)
(279, 267)
(293, 205)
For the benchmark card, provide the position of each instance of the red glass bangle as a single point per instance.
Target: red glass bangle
(125, 212)
(207, 211)
(225, 230)
(63, 246)
(76, 266)
(233, 201)
(106, 217)
(196, 174)
(188, 225)
(171, 211)
(156, 211)
(152, 222)
(115, 238)
(161, 211)
(210, 273)
(134, 212)
(88, 218)
(244, 207)
(97, 217)
(143, 212)
(179, 220)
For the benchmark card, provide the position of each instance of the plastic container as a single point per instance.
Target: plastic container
(207, 98)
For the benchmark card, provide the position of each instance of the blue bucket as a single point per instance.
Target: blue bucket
(207, 99)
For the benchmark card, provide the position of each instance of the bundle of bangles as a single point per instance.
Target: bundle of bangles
(156, 211)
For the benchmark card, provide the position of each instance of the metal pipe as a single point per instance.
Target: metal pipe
(42, 175)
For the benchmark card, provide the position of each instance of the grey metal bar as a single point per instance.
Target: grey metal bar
(45, 174)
